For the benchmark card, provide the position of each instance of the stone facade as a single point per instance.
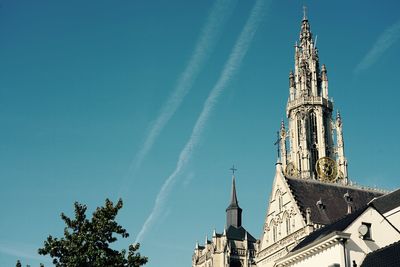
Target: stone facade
(309, 111)
(311, 192)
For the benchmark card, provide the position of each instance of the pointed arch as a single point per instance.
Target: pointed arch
(298, 126)
(313, 126)
(313, 138)
(279, 200)
(273, 235)
(286, 223)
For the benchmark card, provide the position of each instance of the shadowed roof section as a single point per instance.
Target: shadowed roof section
(339, 226)
(334, 206)
(238, 233)
(387, 202)
(388, 256)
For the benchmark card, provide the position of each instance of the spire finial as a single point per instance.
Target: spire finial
(234, 201)
(304, 12)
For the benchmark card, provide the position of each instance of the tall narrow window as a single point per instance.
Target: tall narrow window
(287, 225)
(274, 233)
(298, 128)
(314, 157)
(299, 160)
(327, 130)
(313, 139)
(280, 201)
(313, 128)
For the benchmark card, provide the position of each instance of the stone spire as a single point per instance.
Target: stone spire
(309, 111)
(234, 202)
(233, 212)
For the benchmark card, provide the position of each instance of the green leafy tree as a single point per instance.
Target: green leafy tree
(86, 243)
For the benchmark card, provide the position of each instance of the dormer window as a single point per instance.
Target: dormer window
(320, 204)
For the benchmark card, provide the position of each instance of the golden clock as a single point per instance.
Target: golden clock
(326, 169)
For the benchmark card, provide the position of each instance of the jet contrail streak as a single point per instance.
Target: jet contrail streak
(204, 46)
(231, 66)
(383, 43)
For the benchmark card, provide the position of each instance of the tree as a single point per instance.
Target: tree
(86, 243)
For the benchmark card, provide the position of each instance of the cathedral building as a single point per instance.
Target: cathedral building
(315, 216)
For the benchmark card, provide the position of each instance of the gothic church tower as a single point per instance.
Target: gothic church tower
(234, 247)
(312, 152)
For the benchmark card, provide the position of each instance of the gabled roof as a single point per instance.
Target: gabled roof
(388, 256)
(239, 233)
(308, 192)
(339, 225)
(387, 202)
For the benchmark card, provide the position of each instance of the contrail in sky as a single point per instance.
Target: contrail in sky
(231, 67)
(384, 42)
(208, 37)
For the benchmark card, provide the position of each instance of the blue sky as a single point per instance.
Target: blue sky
(153, 101)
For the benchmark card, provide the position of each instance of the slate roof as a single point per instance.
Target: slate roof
(308, 192)
(339, 225)
(388, 256)
(387, 202)
(239, 233)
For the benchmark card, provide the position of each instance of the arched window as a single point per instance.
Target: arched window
(287, 225)
(313, 139)
(327, 132)
(278, 197)
(299, 162)
(298, 128)
(313, 128)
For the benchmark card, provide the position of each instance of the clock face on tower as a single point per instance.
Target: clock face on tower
(326, 169)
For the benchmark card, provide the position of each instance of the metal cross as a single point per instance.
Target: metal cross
(277, 143)
(304, 12)
(233, 169)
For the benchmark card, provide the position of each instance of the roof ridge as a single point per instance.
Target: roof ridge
(385, 247)
(329, 228)
(351, 186)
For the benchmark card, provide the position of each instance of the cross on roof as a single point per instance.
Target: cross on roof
(277, 143)
(233, 169)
